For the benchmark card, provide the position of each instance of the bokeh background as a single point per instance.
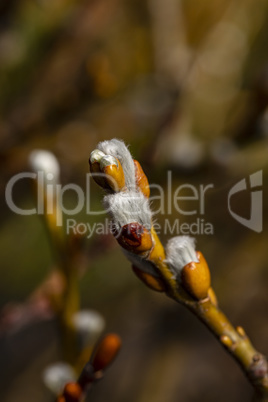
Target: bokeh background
(185, 83)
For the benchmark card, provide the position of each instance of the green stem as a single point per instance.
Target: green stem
(236, 342)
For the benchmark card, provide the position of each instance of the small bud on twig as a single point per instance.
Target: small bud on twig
(119, 150)
(113, 171)
(106, 352)
(72, 392)
(135, 237)
(189, 266)
(180, 252)
(226, 341)
(195, 278)
(151, 281)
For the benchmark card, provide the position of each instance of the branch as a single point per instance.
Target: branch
(179, 271)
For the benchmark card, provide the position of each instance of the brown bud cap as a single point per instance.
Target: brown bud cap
(96, 173)
(141, 179)
(195, 278)
(72, 392)
(135, 237)
(106, 351)
(151, 281)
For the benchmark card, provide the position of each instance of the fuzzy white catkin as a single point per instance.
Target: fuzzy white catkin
(89, 324)
(57, 375)
(118, 149)
(128, 207)
(180, 251)
(44, 161)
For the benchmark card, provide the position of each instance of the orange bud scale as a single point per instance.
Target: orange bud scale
(106, 351)
(195, 278)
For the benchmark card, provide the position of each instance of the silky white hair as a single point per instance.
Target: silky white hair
(180, 250)
(118, 149)
(127, 207)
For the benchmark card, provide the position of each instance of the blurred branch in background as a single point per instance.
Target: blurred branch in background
(103, 355)
(59, 294)
(213, 103)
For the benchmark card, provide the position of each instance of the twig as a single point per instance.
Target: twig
(179, 271)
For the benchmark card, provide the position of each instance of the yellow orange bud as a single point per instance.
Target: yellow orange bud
(226, 340)
(151, 281)
(241, 331)
(72, 392)
(141, 179)
(114, 172)
(107, 171)
(135, 237)
(195, 278)
(106, 351)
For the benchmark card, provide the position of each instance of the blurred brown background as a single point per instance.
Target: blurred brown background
(185, 83)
